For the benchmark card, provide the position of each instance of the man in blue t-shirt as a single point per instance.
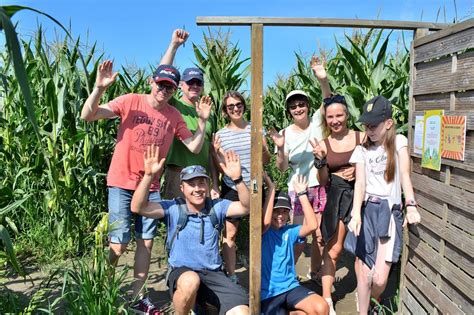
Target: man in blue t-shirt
(281, 291)
(195, 264)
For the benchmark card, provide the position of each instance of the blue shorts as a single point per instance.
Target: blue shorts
(284, 302)
(120, 217)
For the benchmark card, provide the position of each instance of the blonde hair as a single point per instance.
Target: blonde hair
(324, 123)
(389, 146)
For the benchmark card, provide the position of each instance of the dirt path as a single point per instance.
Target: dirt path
(343, 295)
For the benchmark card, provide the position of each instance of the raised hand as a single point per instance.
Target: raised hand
(216, 144)
(232, 165)
(267, 180)
(277, 138)
(105, 75)
(412, 216)
(318, 151)
(203, 107)
(179, 37)
(300, 183)
(152, 164)
(318, 66)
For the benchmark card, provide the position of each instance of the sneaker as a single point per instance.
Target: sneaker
(331, 306)
(144, 306)
(234, 279)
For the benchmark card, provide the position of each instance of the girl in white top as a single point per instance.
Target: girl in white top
(294, 150)
(382, 169)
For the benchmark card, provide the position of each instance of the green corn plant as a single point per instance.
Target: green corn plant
(224, 69)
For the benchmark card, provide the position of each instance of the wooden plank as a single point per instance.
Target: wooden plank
(256, 168)
(431, 101)
(411, 302)
(462, 179)
(321, 22)
(467, 165)
(429, 237)
(465, 101)
(448, 194)
(430, 203)
(464, 304)
(437, 175)
(463, 220)
(420, 297)
(440, 301)
(459, 27)
(453, 43)
(460, 259)
(436, 76)
(449, 271)
(447, 232)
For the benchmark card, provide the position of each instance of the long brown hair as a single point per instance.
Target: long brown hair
(389, 146)
(233, 94)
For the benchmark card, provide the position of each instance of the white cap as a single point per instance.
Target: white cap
(296, 92)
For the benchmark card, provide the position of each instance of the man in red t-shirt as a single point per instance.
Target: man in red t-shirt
(145, 119)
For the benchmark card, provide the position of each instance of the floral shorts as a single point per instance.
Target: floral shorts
(317, 199)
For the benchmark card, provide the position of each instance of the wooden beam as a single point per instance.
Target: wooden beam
(256, 168)
(321, 22)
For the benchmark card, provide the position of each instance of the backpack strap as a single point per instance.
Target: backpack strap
(181, 224)
(212, 214)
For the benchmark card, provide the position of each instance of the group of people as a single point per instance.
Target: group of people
(344, 189)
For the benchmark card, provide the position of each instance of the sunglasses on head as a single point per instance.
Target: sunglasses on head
(334, 99)
(193, 169)
(297, 104)
(169, 88)
(239, 106)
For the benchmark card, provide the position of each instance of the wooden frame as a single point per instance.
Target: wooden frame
(257, 25)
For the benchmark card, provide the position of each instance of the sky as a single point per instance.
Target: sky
(136, 33)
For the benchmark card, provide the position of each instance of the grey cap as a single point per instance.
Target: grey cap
(193, 171)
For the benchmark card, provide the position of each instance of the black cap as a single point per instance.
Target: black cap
(282, 200)
(376, 110)
(167, 73)
(192, 73)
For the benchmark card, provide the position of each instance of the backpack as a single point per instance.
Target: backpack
(183, 219)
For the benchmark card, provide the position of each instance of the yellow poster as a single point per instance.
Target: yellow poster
(454, 137)
(431, 157)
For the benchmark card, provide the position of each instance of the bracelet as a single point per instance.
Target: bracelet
(238, 180)
(319, 164)
(410, 203)
(301, 193)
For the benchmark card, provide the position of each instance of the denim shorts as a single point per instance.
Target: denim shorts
(120, 217)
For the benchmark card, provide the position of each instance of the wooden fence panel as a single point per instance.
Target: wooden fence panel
(438, 263)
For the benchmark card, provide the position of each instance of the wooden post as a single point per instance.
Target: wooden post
(256, 168)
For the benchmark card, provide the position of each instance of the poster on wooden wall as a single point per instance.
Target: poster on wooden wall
(454, 137)
(431, 157)
(418, 135)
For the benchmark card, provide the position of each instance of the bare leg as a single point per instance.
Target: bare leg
(115, 251)
(239, 310)
(228, 249)
(331, 254)
(363, 286)
(313, 305)
(184, 297)
(382, 269)
(142, 265)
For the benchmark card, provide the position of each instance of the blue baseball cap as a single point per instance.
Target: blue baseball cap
(167, 73)
(193, 73)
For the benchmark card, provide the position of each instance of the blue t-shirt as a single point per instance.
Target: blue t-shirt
(187, 249)
(278, 261)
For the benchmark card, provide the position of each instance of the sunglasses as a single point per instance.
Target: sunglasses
(239, 106)
(297, 105)
(334, 99)
(194, 82)
(193, 169)
(168, 88)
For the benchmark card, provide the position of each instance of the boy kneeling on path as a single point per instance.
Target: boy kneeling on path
(195, 264)
(281, 291)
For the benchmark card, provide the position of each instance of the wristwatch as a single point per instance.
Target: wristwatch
(320, 163)
(238, 180)
(410, 202)
(301, 193)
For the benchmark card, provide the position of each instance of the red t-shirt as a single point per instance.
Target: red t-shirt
(140, 126)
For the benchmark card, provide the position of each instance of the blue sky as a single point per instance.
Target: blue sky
(138, 32)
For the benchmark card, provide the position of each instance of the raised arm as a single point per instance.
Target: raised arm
(318, 66)
(269, 202)
(178, 38)
(412, 214)
(319, 152)
(91, 110)
(282, 156)
(300, 185)
(203, 109)
(233, 170)
(140, 203)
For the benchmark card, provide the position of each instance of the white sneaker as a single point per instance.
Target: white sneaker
(331, 306)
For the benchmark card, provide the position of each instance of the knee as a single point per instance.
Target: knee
(188, 283)
(239, 310)
(118, 249)
(146, 244)
(335, 251)
(379, 282)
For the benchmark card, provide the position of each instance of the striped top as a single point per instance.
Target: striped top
(239, 141)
